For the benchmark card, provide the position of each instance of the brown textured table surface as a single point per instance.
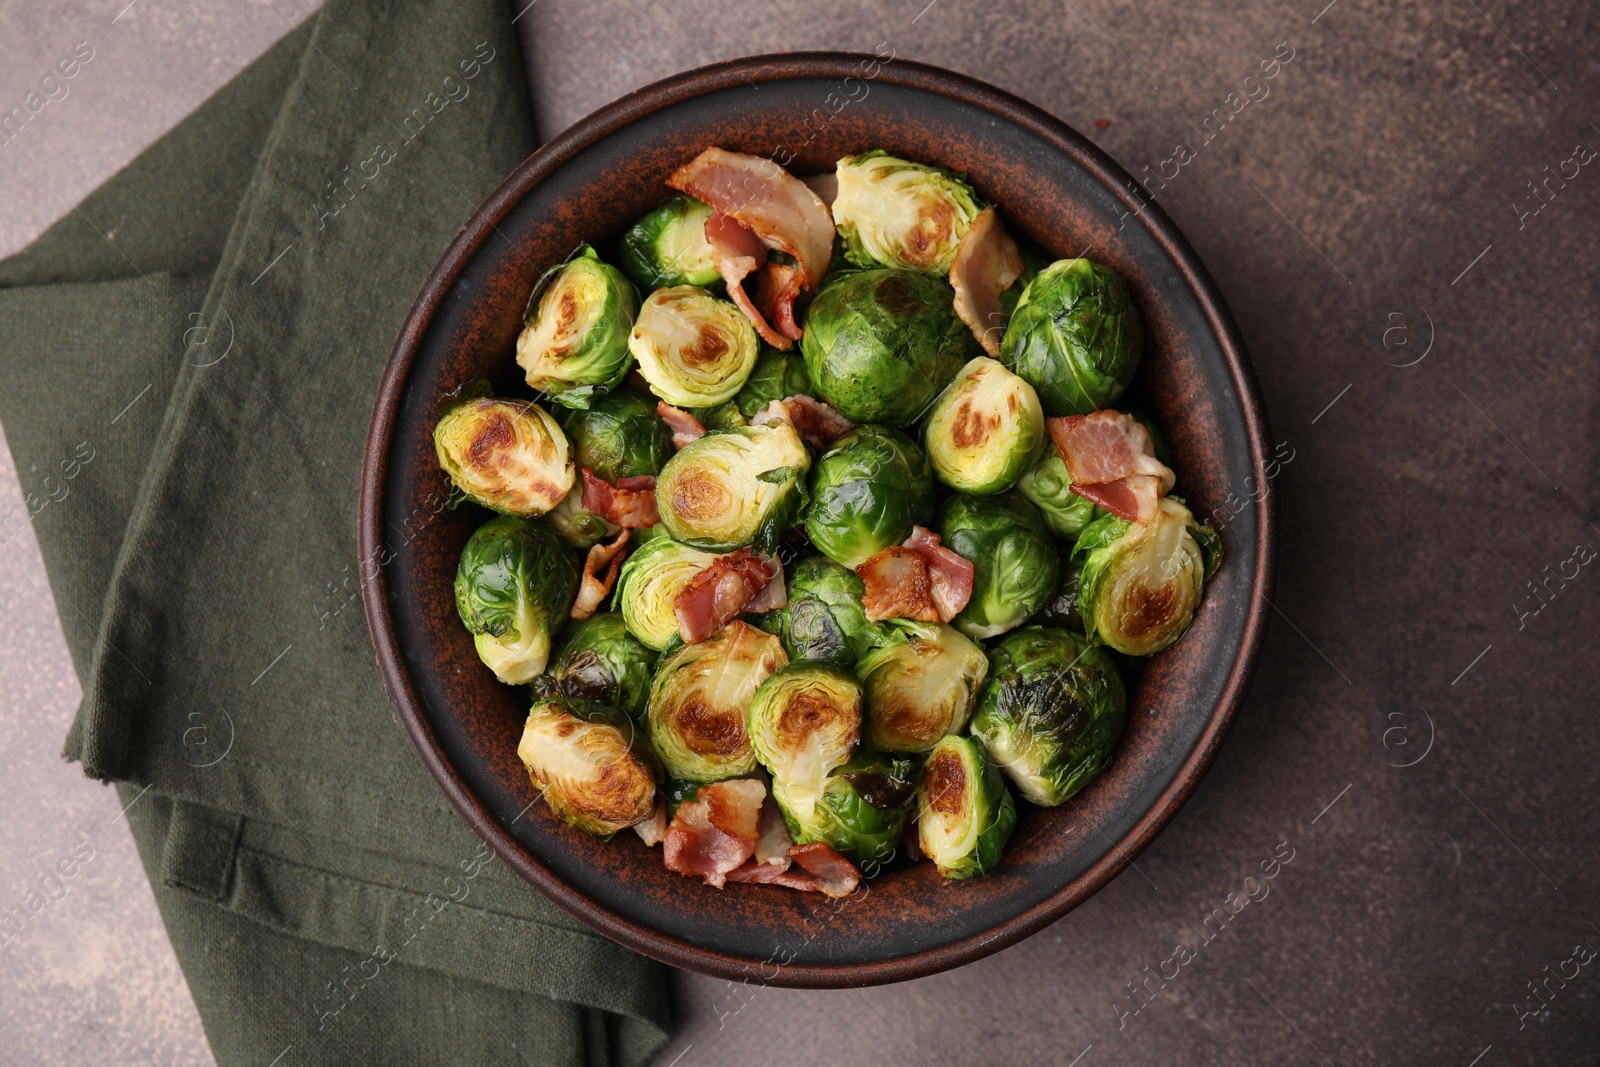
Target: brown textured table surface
(1421, 737)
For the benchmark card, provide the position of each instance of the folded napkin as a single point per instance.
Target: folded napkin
(187, 367)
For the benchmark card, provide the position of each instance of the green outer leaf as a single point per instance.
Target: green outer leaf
(619, 436)
(824, 619)
(599, 660)
(1075, 337)
(866, 494)
(515, 573)
(667, 247)
(1047, 485)
(1015, 564)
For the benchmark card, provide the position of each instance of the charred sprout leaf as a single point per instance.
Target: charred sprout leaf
(891, 212)
(514, 586)
(1049, 487)
(985, 430)
(920, 686)
(1141, 582)
(824, 619)
(507, 455)
(600, 660)
(1050, 713)
(668, 247)
(649, 584)
(620, 436)
(700, 698)
(1075, 337)
(1061, 610)
(965, 813)
(863, 808)
(592, 765)
(1015, 563)
(866, 494)
(695, 349)
(574, 346)
(734, 488)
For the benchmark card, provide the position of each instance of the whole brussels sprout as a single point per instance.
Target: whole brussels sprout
(648, 587)
(587, 760)
(804, 721)
(1061, 610)
(699, 700)
(695, 349)
(880, 344)
(577, 525)
(514, 586)
(895, 213)
(867, 492)
(1049, 487)
(668, 246)
(1014, 562)
(507, 455)
(574, 345)
(776, 376)
(735, 487)
(620, 436)
(1075, 336)
(824, 619)
(1050, 713)
(985, 430)
(600, 660)
(965, 813)
(1142, 582)
(863, 808)
(920, 687)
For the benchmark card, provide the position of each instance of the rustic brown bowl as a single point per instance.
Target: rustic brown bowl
(806, 110)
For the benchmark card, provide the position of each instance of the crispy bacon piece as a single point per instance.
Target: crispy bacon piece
(600, 570)
(1111, 461)
(765, 199)
(773, 842)
(631, 503)
(1136, 498)
(684, 426)
(653, 830)
(738, 253)
(716, 596)
(772, 874)
(778, 286)
(716, 832)
(835, 875)
(817, 423)
(986, 265)
(919, 579)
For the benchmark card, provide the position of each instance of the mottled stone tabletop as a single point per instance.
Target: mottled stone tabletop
(1404, 221)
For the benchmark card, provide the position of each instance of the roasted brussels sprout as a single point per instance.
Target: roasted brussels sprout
(598, 659)
(867, 492)
(695, 349)
(1015, 563)
(1075, 336)
(880, 344)
(1049, 487)
(920, 686)
(824, 619)
(588, 760)
(863, 807)
(668, 246)
(1050, 713)
(986, 428)
(620, 436)
(700, 698)
(514, 586)
(1061, 610)
(574, 345)
(1142, 582)
(508, 455)
(649, 584)
(895, 213)
(733, 488)
(805, 720)
(577, 525)
(776, 376)
(965, 813)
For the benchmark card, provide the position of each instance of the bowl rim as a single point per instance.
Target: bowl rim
(830, 65)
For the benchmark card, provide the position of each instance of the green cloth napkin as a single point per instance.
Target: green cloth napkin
(187, 366)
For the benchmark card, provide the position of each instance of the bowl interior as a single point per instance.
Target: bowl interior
(1067, 200)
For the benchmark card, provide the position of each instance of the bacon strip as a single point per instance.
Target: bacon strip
(986, 265)
(631, 503)
(835, 875)
(684, 426)
(920, 579)
(715, 833)
(717, 595)
(773, 842)
(738, 253)
(817, 423)
(1111, 461)
(777, 288)
(772, 874)
(594, 589)
(1136, 498)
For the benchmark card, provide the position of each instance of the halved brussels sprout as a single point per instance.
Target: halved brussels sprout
(1142, 582)
(1015, 563)
(880, 344)
(514, 587)
(577, 525)
(649, 584)
(1050, 713)
(965, 813)
(805, 720)
(668, 246)
(895, 213)
(920, 687)
(700, 699)
(620, 436)
(1049, 487)
(600, 660)
(824, 619)
(574, 345)
(863, 808)
(986, 428)
(866, 494)
(508, 455)
(1075, 336)
(587, 759)
(693, 348)
(776, 376)
(735, 487)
